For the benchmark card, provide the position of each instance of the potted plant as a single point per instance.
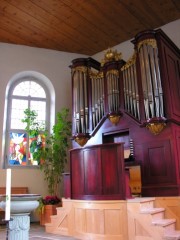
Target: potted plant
(48, 207)
(52, 157)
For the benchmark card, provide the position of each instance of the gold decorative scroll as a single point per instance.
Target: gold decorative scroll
(112, 71)
(80, 69)
(95, 75)
(151, 41)
(155, 125)
(111, 55)
(130, 62)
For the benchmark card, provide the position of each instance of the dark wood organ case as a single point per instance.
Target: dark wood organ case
(127, 113)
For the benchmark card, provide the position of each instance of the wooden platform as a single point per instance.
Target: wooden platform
(134, 219)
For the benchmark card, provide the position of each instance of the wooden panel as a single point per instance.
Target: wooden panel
(15, 190)
(113, 227)
(97, 172)
(158, 166)
(170, 70)
(92, 170)
(66, 185)
(96, 215)
(77, 175)
(100, 220)
(110, 170)
(178, 150)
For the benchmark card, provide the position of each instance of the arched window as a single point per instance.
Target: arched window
(26, 92)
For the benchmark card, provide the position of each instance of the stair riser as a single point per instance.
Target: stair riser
(147, 204)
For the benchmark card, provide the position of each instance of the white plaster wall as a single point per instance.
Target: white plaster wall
(55, 66)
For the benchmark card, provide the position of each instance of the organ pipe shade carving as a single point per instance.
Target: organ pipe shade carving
(155, 125)
(114, 117)
(131, 94)
(81, 138)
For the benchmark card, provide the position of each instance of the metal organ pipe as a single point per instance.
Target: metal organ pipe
(80, 100)
(151, 80)
(97, 83)
(112, 77)
(131, 94)
(137, 112)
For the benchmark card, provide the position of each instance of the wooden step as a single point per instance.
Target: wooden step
(172, 235)
(152, 210)
(156, 213)
(164, 222)
(147, 203)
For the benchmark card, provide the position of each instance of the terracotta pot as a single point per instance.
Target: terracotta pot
(49, 210)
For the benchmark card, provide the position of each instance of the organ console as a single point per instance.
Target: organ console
(143, 93)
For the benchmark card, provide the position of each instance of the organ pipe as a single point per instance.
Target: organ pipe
(97, 89)
(151, 80)
(112, 77)
(131, 94)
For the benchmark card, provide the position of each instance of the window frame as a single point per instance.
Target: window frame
(10, 97)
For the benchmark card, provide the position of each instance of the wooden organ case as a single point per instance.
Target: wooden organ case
(133, 107)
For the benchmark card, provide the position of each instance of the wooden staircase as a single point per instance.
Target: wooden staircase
(150, 222)
(59, 223)
(144, 221)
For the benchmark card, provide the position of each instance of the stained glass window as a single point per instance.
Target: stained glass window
(26, 94)
(17, 148)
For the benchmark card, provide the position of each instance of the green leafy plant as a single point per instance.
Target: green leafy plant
(53, 157)
(35, 129)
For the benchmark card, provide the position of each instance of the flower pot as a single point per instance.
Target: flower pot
(49, 210)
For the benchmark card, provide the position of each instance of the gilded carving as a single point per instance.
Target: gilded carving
(130, 62)
(95, 75)
(152, 42)
(113, 72)
(80, 69)
(111, 55)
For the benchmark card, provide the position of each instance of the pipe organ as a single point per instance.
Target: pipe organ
(144, 94)
(96, 93)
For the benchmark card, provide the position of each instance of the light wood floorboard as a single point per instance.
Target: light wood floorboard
(37, 232)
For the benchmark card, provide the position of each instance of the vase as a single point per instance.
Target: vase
(49, 210)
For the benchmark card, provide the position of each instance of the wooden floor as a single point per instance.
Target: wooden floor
(37, 232)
